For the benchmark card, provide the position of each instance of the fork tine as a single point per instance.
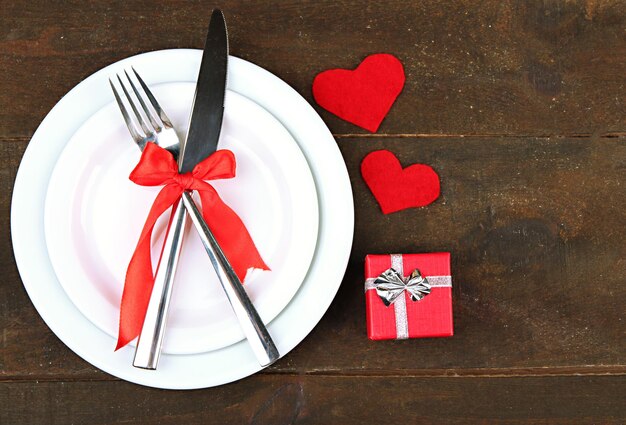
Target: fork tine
(140, 119)
(151, 118)
(129, 122)
(153, 100)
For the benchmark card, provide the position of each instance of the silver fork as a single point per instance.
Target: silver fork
(161, 132)
(159, 129)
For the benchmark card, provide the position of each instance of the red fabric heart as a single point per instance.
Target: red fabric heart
(395, 188)
(363, 96)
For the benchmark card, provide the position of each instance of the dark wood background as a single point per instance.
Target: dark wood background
(519, 106)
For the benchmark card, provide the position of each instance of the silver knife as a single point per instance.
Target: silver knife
(202, 138)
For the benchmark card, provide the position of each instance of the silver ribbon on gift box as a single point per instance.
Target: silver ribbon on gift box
(391, 285)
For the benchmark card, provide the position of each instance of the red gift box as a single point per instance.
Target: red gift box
(418, 289)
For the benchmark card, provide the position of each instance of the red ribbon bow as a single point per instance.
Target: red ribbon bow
(156, 168)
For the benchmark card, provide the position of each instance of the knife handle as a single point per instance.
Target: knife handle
(151, 337)
(249, 319)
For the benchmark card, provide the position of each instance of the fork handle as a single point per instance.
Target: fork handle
(150, 340)
(249, 319)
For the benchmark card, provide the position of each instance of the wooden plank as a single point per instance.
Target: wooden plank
(324, 400)
(536, 231)
(489, 67)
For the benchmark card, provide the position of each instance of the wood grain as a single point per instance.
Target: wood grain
(518, 105)
(324, 400)
(489, 67)
(535, 227)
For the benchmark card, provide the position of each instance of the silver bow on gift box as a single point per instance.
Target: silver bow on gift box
(391, 284)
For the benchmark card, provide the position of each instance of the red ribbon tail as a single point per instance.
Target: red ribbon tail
(231, 234)
(139, 275)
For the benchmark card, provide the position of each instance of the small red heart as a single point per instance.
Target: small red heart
(395, 188)
(363, 96)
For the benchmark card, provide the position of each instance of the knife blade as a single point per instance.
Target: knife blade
(208, 104)
(202, 139)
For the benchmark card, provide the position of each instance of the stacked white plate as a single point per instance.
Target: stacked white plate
(76, 217)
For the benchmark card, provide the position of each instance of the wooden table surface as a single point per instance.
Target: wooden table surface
(519, 106)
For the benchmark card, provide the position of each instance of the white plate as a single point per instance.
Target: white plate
(217, 367)
(94, 214)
